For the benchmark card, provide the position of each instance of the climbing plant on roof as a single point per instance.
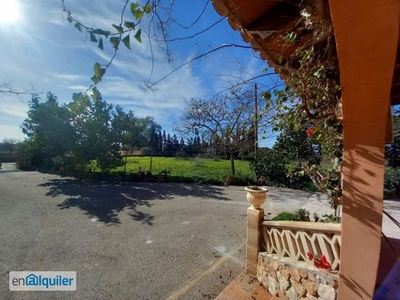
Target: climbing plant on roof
(312, 96)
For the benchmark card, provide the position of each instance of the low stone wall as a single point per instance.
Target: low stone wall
(297, 281)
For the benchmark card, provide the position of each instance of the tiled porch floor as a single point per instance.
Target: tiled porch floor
(244, 287)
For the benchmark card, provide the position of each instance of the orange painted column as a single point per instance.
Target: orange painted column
(366, 34)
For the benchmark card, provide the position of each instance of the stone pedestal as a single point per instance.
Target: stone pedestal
(253, 245)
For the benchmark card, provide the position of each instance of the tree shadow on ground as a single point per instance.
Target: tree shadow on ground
(105, 201)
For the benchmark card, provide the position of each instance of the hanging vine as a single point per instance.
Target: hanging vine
(312, 97)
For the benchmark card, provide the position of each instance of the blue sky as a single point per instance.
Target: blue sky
(41, 49)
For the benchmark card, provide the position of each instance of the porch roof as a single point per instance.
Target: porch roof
(265, 24)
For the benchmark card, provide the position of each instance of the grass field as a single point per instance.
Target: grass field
(192, 169)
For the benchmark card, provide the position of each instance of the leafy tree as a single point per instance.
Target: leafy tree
(97, 139)
(191, 148)
(393, 150)
(8, 145)
(49, 130)
(154, 135)
(144, 132)
(279, 164)
(392, 171)
(73, 134)
(123, 125)
(105, 137)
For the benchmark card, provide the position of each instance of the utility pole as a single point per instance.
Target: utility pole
(256, 121)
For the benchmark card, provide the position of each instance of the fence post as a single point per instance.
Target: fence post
(253, 242)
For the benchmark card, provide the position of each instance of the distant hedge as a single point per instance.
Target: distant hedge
(8, 157)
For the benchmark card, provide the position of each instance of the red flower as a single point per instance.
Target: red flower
(311, 130)
(324, 262)
(324, 178)
(320, 261)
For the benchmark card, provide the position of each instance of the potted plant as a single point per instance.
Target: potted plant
(255, 195)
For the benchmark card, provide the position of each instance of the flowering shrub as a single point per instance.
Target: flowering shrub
(320, 261)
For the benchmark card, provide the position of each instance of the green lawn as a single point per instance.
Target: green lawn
(192, 169)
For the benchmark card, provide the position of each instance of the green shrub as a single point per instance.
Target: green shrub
(243, 179)
(284, 216)
(145, 151)
(275, 166)
(392, 182)
(298, 215)
(327, 218)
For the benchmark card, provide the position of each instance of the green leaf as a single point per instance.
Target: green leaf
(85, 101)
(78, 26)
(95, 79)
(77, 96)
(291, 37)
(138, 35)
(147, 9)
(134, 6)
(93, 38)
(69, 19)
(114, 42)
(73, 107)
(126, 42)
(97, 70)
(129, 25)
(80, 102)
(280, 59)
(100, 45)
(136, 11)
(139, 14)
(101, 32)
(98, 73)
(267, 95)
(96, 94)
(118, 28)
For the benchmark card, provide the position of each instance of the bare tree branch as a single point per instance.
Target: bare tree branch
(151, 85)
(7, 89)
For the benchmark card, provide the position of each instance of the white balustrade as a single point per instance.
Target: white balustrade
(294, 239)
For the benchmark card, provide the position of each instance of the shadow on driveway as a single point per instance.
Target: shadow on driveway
(106, 200)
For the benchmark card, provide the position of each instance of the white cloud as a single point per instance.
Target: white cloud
(165, 104)
(71, 77)
(79, 88)
(12, 107)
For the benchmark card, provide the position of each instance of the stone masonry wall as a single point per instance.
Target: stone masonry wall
(297, 281)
